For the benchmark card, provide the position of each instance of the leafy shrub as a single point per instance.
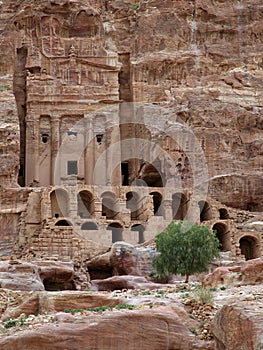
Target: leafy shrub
(100, 308)
(203, 295)
(10, 323)
(146, 292)
(185, 248)
(73, 311)
(124, 306)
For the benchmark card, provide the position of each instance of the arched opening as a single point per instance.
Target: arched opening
(116, 230)
(205, 211)
(222, 233)
(157, 201)
(63, 223)
(179, 206)
(59, 203)
(249, 247)
(140, 229)
(109, 206)
(151, 174)
(223, 214)
(89, 226)
(133, 203)
(53, 284)
(85, 204)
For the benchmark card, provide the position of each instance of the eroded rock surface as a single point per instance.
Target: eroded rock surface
(239, 326)
(45, 302)
(123, 282)
(249, 272)
(42, 275)
(20, 276)
(160, 328)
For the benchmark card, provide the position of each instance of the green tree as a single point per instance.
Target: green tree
(185, 248)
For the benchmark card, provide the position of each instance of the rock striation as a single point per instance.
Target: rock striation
(239, 326)
(160, 328)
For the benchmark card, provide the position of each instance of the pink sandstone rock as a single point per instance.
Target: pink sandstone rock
(239, 326)
(249, 272)
(152, 329)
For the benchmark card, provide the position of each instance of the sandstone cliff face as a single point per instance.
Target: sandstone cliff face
(203, 58)
(200, 60)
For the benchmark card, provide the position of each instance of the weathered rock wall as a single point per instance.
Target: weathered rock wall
(201, 60)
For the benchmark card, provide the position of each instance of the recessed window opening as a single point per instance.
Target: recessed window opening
(125, 173)
(72, 167)
(72, 133)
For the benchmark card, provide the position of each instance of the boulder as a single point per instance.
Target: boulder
(56, 275)
(42, 302)
(100, 266)
(123, 259)
(151, 329)
(221, 276)
(239, 326)
(123, 282)
(50, 302)
(18, 275)
(249, 272)
(252, 271)
(42, 275)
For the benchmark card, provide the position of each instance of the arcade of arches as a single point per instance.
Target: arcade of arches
(116, 215)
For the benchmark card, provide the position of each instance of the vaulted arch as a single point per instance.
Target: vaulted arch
(140, 229)
(133, 203)
(116, 229)
(110, 207)
(157, 201)
(223, 235)
(205, 211)
(179, 206)
(59, 203)
(85, 204)
(63, 222)
(249, 247)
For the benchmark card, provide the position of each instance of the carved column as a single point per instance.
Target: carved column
(32, 150)
(89, 152)
(55, 143)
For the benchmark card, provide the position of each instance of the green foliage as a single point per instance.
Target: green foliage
(203, 295)
(146, 292)
(135, 6)
(15, 322)
(73, 311)
(4, 87)
(124, 306)
(223, 288)
(100, 308)
(160, 291)
(10, 323)
(185, 248)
